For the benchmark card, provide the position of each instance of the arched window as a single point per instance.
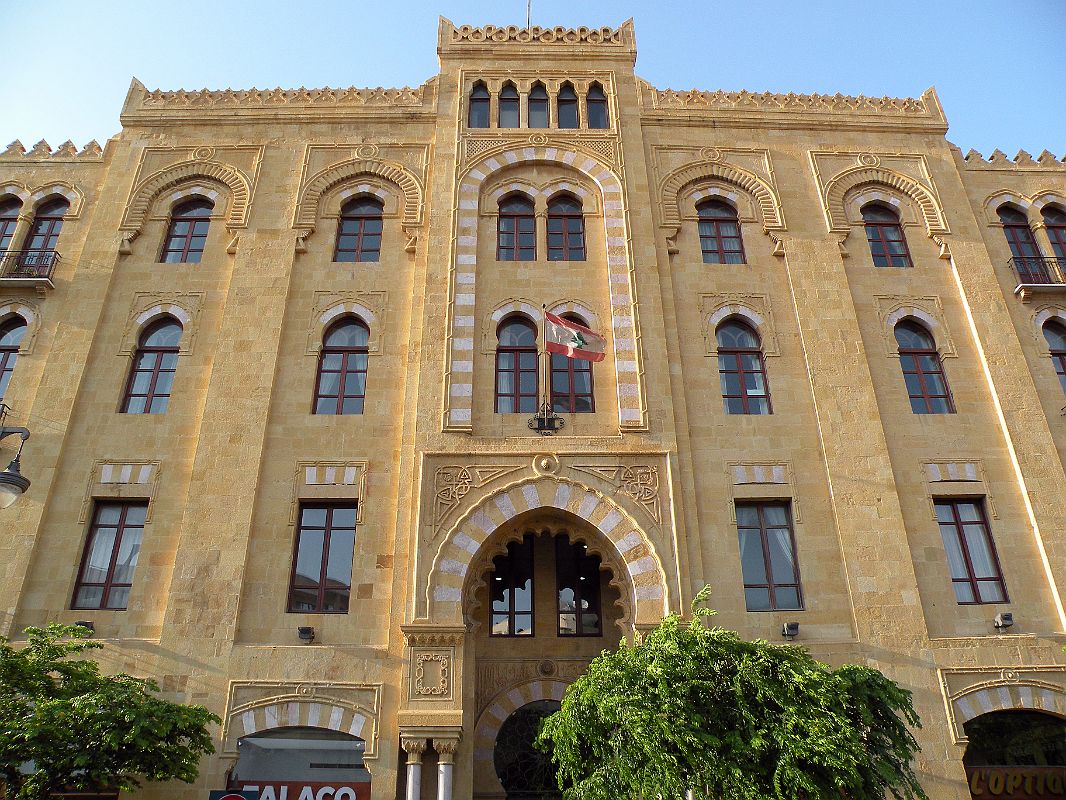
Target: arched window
(44, 234)
(9, 217)
(567, 106)
(720, 233)
(340, 387)
(11, 334)
(572, 391)
(508, 106)
(188, 232)
(1055, 219)
(154, 364)
(511, 588)
(1054, 332)
(566, 229)
(888, 245)
(516, 232)
(516, 366)
(596, 107)
(538, 106)
(359, 230)
(1024, 253)
(924, 374)
(479, 107)
(741, 369)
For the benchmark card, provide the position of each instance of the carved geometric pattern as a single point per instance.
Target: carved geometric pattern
(840, 185)
(432, 673)
(307, 209)
(639, 482)
(272, 98)
(800, 103)
(766, 199)
(536, 34)
(452, 483)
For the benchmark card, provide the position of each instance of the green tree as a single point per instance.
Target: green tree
(694, 707)
(64, 725)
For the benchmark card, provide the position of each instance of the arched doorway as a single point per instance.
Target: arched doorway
(1016, 754)
(302, 763)
(525, 772)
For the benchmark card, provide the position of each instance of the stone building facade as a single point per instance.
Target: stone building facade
(246, 195)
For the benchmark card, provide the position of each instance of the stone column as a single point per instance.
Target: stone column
(414, 749)
(445, 762)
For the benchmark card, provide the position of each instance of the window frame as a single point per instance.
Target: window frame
(761, 506)
(580, 563)
(9, 218)
(564, 251)
(527, 543)
(1058, 357)
(516, 250)
(565, 105)
(327, 530)
(535, 103)
(186, 250)
(9, 354)
(47, 225)
(360, 220)
(1056, 233)
(876, 234)
(510, 105)
(737, 354)
(957, 524)
(915, 354)
(712, 234)
(108, 584)
(150, 396)
(516, 352)
(346, 352)
(600, 103)
(480, 103)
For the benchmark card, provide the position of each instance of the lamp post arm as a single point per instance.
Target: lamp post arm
(23, 432)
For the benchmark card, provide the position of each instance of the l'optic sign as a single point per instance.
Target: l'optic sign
(300, 790)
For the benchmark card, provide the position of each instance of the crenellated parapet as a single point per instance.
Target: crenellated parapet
(43, 151)
(1000, 160)
(589, 42)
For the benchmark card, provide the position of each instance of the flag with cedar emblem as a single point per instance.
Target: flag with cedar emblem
(569, 339)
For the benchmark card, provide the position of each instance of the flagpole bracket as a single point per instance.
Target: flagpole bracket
(546, 422)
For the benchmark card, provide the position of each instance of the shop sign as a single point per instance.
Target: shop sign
(303, 790)
(1030, 783)
(233, 794)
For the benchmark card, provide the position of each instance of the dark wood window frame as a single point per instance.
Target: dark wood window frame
(537, 106)
(586, 569)
(522, 549)
(567, 111)
(508, 105)
(122, 528)
(363, 219)
(1023, 247)
(739, 361)
(9, 353)
(478, 115)
(957, 525)
(771, 585)
(883, 233)
(565, 371)
(187, 244)
(596, 111)
(566, 229)
(516, 224)
(354, 360)
(924, 363)
(514, 353)
(327, 530)
(1058, 353)
(9, 217)
(714, 219)
(157, 368)
(1055, 222)
(44, 232)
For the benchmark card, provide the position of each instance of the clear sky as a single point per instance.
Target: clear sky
(999, 65)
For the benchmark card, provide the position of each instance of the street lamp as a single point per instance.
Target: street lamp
(12, 482)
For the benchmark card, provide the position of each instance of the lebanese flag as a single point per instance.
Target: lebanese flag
(566, 338)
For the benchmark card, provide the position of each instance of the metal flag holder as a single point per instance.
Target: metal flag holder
(546, 422)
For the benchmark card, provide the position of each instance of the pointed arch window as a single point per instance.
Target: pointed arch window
(9, 217)
(359, 230)
(596, 107)
(479, 107)
(1055, 220)
(511, 590)
(566, 229)
(566, 103)
(187, 233)
(741, 369)
(40, 251)
(538, 106)
(12, 333)
(340, 387)
(577, 581)
(516, 366)
(1024, 253)
(155, 361)
(516, 231)
(888, 245)
(1054, 333)
(508, 111)
(572, 388)
(923, 372)
(719, 228)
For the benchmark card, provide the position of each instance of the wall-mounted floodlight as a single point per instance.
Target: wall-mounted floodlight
(12, 483)
(1003, 620)
(306, 633)
(790, 630)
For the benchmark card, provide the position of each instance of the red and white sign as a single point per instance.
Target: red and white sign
(302, 790)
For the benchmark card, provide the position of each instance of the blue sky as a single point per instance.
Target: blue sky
(997, 64)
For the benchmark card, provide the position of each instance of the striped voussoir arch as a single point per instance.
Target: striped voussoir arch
(459, 398)
(645, 578)
(301, 712)
(505, 704)
(1009, 697)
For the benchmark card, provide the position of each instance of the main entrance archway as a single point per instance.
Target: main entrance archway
(525, 772)
(1016, 754)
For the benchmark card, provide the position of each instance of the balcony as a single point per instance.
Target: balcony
(1039, 276)
(28, 268)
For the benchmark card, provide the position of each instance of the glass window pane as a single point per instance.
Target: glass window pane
(135, 405)
(313, 518)
(164, 382)
(352, 405)
(89, 597)
(99, 558)
(753, 383)
(527, 383)
(527, 361)
(135, 515)
(501, 624)
(126, 563)
(730, 382)
(991, 592)
(963, 592)
(734, 405)
(118, 598)
(758, 405)
(939, 405)
(343, 517)
(568, 624)
(329, 384)
(752, 562)
(523, 624)
(757, 599)
(505, 405)
(943, 512)
(788, 598)
(108, 514)
(980, 553)
(747, 516)
(914, 384)
(775, 515)
(302, 599)
(782, 561)
(341, 554)
(158, 405)
(956, 562)
(335, 600)
(968, 512)
(309, 558)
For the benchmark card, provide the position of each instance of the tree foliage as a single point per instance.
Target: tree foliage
(694, 707)
(85, 731)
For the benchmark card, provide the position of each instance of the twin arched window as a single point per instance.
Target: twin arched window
(359, 230)
(741, 369)
(719, 229)
(516, 229)
(888, 245)
(155, 361)
(1054, 333)
(517, 375)
(340, 387)
(187, 233)
(923, 371)
(11, 334)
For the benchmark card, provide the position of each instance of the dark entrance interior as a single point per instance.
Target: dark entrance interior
(1016, 754)
(525, 772)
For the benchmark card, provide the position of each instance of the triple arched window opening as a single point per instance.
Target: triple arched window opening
(538, 102)
(36, 253)
(517, 373)
(516, 229)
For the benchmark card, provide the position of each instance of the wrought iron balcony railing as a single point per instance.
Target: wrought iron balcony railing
(34, 265)
(1040, 271)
